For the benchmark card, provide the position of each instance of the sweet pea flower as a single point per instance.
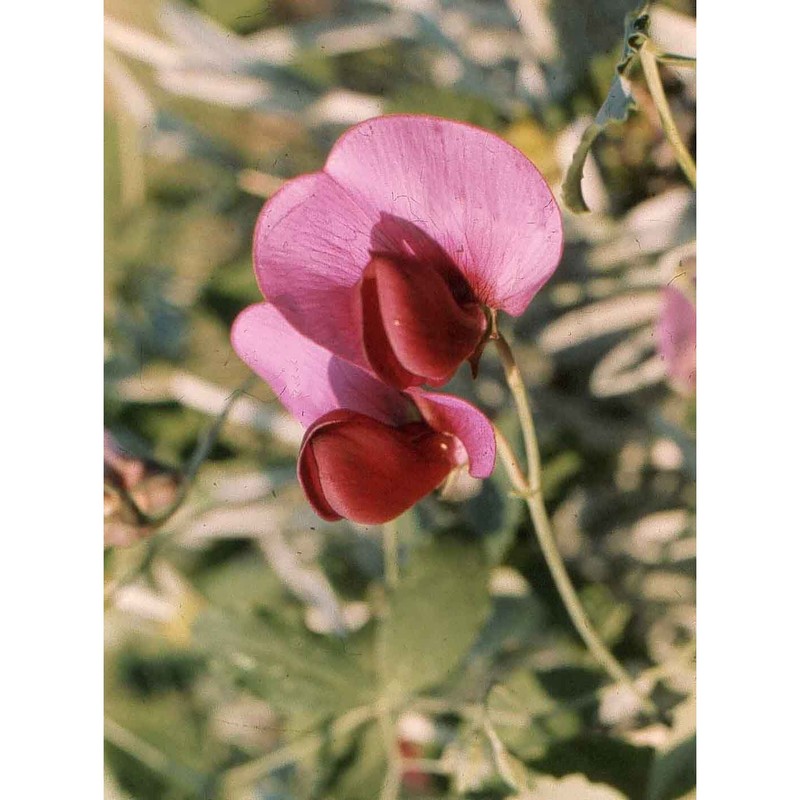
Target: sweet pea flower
(392, 254)
(676, 336)
(370, 451)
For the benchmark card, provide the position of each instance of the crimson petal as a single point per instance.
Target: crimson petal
(462, 420)
(353, 466)
(414, 330)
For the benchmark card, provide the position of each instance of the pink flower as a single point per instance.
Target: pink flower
(676, 332)
(389, 256)
(370, 451)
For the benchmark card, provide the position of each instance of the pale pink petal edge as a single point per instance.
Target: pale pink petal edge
(306, 378)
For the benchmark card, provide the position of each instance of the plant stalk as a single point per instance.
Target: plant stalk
(530, 489)
(648, 55)
(390, 554)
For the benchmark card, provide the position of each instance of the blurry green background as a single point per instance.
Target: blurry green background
(240, 649)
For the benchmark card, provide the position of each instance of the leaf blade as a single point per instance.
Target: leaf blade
(433, 617)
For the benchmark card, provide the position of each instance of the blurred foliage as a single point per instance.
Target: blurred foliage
(252, 650)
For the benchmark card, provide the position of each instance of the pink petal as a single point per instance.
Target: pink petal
(310, 247)
(676, 332)
(305, 377)
(453, 415)
(436, 191)
(474, 194)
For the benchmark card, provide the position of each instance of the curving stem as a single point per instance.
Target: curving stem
(531, 490)
(649, 56)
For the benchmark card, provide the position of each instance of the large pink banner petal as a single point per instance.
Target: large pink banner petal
(474, 194)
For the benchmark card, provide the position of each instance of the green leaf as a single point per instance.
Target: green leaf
(570, 787)
(433, 616)
(602, 759)
(156, 740)
(364, 774)
(239, 15)
(615, 109)
(674, 773)
(514, 624)
(674, 769)
(494, 514)
(557, 471)
(480, 765)
(513, 772)
(242, 584)
(311, 676)
(469, 760)
(138, 778)
(607, 614)
(526, 718)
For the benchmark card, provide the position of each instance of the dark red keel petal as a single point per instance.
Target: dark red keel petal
(353, 466)
(414, 330)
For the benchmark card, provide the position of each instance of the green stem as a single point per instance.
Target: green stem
(570, 597)
(520, 395)
(675, 60)
(394, 766)
(512, 467)
(531, 489)
(200, 454)
(390, 554)
(648, 54)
